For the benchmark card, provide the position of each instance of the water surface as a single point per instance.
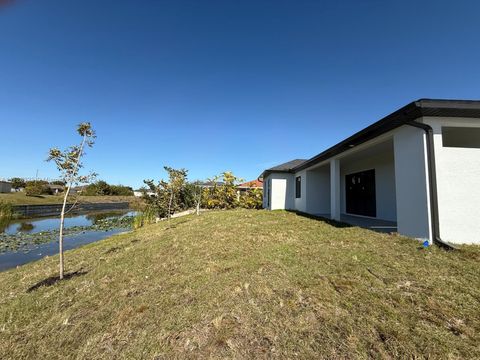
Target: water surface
(31, 252)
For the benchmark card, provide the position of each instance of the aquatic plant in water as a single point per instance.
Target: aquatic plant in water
(25, 241)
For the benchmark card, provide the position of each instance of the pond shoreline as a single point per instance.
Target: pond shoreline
(45, 210)
(26, 240)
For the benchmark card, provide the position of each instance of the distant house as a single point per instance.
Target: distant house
(140, 192)
(56, 188)
(209, 184)
(5, 187)
(415, 171)
(254, 184)
(78, 189)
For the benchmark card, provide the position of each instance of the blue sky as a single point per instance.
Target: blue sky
(218, 85)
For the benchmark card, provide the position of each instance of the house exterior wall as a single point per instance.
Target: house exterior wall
(281, 185)
(300, 204)
(5, 187)
(458, 184)
(318, 190)
(402, 184)
(411, 182)
(383, 163)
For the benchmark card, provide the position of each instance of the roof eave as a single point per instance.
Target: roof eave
(410, 112)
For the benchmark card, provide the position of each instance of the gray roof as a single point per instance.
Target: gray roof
(286, 167)
(408, 113)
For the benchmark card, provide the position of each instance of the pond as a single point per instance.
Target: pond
(26, 240)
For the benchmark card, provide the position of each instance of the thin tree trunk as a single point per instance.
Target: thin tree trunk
(60, 238)
(198, 199)
(170, 205)
(64, 205)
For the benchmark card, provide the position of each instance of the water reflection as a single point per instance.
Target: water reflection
(3, 224)
(37, 225)
(25, 227)
(94, 218)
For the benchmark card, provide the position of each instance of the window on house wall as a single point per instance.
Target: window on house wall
(461, 137)
(298, 187)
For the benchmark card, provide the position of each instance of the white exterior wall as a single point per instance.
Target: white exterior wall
(318, 190)
(384, 166)
(300, 204)
(5, 187)
(413, 216)
(458, 184)
(281, 191)
(402, 186)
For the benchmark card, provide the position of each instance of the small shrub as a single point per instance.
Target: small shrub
(148, 216)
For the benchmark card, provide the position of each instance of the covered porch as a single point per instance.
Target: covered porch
(357, 187)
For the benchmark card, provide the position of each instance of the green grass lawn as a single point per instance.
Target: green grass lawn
(246, 284)
(19, 198)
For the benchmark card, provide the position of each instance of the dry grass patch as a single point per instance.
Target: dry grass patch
(243, 284)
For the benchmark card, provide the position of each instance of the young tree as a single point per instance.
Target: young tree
(167, 193)
(197, 195)
(69, 163)
(176, 181)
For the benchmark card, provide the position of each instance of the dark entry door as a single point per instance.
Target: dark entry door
(360, 193)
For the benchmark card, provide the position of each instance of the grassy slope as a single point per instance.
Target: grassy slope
(243, 284)
(19, 198)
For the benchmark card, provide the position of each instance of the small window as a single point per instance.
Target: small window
(461, 137)
(298, 187)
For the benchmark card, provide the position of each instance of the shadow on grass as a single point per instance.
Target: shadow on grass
(177, 223)
(52, 280)
(335, 223)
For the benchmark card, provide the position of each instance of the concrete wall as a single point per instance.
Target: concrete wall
(458, 184)
(318, 190)
(383, 163)
(282, 195)
(411, 182)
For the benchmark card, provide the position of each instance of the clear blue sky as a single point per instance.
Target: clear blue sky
(219, 85)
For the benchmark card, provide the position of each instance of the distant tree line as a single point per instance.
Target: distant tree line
(103, 188)
(43, 187)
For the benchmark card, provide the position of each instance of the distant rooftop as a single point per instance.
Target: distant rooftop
(251, 184)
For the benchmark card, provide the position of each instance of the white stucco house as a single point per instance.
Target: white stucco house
(5, 186)
(416, 171)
